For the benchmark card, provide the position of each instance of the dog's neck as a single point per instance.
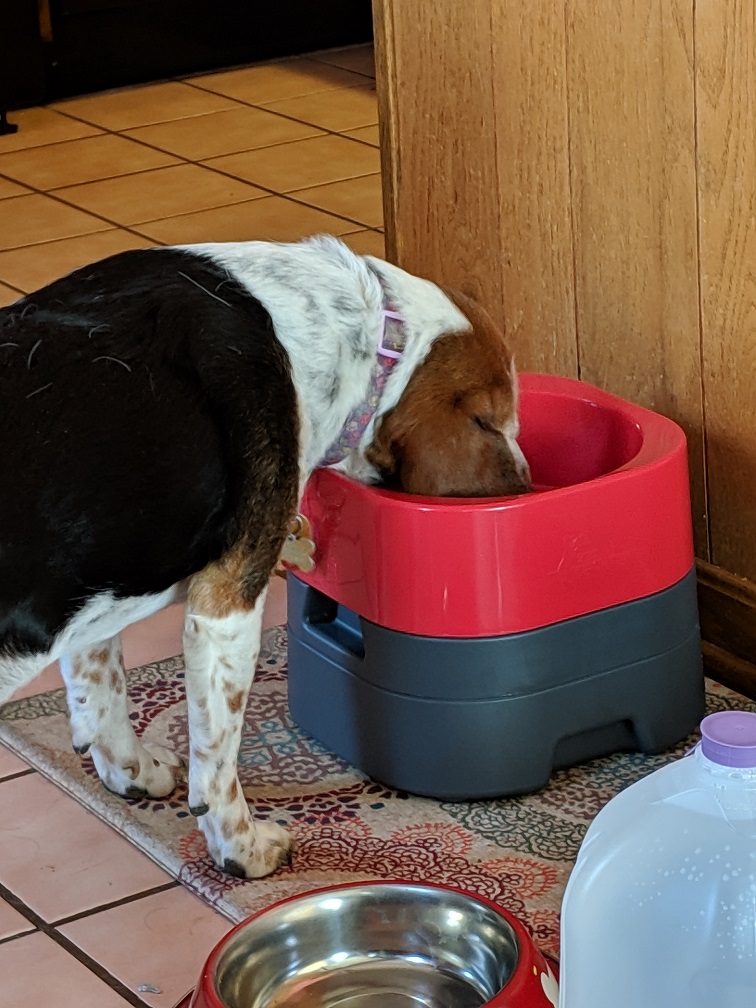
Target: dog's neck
(327, 305)
(389, 349)
(426, 313)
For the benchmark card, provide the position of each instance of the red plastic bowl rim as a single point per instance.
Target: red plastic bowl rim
(534, 383)
(524, 938)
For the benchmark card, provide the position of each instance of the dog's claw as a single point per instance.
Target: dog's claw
(135, 793)
(199, 810)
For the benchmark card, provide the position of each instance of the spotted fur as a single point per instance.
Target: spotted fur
(160, 412)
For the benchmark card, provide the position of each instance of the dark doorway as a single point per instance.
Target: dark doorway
(92, 45)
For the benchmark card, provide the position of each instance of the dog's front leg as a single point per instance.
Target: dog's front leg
(221, 653)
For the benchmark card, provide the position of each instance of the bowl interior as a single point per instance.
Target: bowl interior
(568, 440)
(371, 946)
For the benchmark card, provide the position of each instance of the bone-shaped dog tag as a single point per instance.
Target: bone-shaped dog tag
(298, 547)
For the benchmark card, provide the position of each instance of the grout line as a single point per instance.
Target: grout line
(132, 228)
(30, 770)
(180, 158)
(339, 66)
(123, 901)
(67, 945)
(242, 103)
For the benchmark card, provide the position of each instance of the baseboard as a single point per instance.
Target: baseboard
(727, 607)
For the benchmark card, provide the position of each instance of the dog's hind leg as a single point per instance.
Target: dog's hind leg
(221, 648)
(99, 716)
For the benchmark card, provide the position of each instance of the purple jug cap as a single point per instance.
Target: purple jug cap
(729, 738)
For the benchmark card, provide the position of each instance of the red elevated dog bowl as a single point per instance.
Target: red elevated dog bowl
(465, 648)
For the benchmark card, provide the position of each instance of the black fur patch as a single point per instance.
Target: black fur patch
(148, 422)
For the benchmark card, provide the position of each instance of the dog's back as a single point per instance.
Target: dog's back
(132, 387)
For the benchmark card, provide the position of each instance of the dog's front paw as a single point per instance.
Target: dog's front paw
(148, 771)
(252, 849)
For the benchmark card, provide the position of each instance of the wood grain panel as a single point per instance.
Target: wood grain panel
(435, 85)
(531, 132)
(726, 89)
(632, 148)
(727, 605)
(473, 120)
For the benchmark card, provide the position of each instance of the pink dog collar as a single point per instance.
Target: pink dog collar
(388, 352)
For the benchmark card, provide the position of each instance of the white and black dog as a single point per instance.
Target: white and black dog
(160, 412)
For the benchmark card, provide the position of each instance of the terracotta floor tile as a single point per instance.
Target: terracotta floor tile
(155, 638)
(49, 679)
(140, 106)
(58, 858)
(269, 219)
(29, 220)
(358, 58)
(8, 295)
(346, 109)
(37, 973)
(275, 605)
(361, 199)
(38, 126)
(367, 243)
(8, 188)
(368, 134)
(36, 265)
(10, 763)
(77, 161)
(311, 162)
(206, 136)
(11, 923)
(166, 192)
(161, 939)
(273, 81)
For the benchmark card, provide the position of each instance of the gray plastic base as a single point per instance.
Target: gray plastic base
(469, 718)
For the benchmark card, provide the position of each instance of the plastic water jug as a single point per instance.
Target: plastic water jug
(660, 909)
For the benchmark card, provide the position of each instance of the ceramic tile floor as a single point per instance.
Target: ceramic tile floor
(275, 151)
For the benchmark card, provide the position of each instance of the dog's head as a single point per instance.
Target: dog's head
(453, 432)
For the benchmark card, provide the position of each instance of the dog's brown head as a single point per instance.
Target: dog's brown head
(453, 432)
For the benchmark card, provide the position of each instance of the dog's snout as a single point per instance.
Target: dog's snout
(518, 482)
(523, 486)
(517, 470)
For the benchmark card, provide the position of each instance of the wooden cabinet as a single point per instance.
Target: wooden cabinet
(589, 171)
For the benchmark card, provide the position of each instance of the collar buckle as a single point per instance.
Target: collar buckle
(382, 349)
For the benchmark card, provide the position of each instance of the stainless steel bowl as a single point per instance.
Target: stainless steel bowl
(369, 946)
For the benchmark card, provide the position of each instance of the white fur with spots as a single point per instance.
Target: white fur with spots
(220, 654)
(99, 716)
(326, 304)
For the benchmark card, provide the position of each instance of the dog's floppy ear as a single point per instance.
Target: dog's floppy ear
(384, 451)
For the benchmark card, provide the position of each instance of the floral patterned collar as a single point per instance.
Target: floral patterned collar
(388, 352)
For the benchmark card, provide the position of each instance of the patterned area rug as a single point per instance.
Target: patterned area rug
(518, 851)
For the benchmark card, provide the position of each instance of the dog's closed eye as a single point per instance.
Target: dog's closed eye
(486, 424)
